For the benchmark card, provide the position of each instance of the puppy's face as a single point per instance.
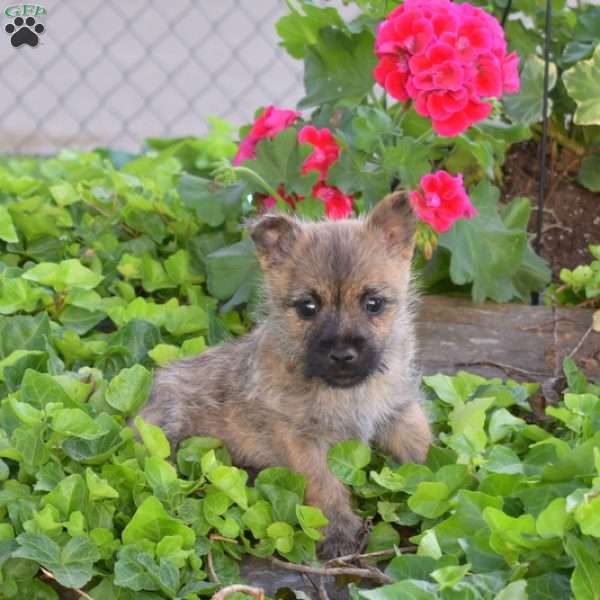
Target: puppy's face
(336, 288)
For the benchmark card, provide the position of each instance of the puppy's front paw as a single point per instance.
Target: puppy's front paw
(343, 538)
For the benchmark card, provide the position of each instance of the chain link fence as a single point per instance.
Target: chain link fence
(113, 72)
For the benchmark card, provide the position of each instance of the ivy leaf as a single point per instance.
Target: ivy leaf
(128, 391)
(154, 439)
(430, 499)
(152, 522)
(212, 202)
(311, 519)
(232, 270)
(583, 85)
(585, 580)
(409, 590)
(347, 461)
(24, 333)
(76, 423)
(66, 274)
(72, 566)
(137, 570)
(7, 228)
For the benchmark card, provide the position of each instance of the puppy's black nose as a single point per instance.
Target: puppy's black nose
(343, 355)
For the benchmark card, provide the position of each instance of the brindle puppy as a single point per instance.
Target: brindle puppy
(332, 359)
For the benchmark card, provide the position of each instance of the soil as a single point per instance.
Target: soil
(571, 212)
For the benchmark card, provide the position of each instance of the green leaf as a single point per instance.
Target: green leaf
(454, 389)
(553, 520)
(311, 519)
(128, 391)
(338, 66)
(138, 571)
(72, 566)
(526, 106)
(300, 31)
(449, 577)
(485, 252)
(213, 202)
(407, 590)
(232, 482)
(410, 566)
(516, 590)
(409, 160)
(152, 522)
(24, 333)
(583, 85)
(66, 274)
(589, 173)
(68, 496)
(154, 439)
(283, 489)
(587, 516)
(232, 270)
(511, 536)
(382, 537)
(279, 161)
(585, 580)
(257, 518)
(283, 534)
(98, 488)
(7, 229)
(430, 500)
(77, 423)
(347, 461)
(64, 193)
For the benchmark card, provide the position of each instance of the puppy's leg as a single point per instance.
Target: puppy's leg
(343, 534)
(407, 437)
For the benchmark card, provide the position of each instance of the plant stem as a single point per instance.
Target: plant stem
(253, 175)
(78, 591)
(256, 593)
(371, 573)
(424, 136)
(563, 139)
(376, 100)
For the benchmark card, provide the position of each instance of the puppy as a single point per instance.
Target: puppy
(332, 360)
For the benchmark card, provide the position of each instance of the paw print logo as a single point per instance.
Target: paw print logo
(24, 31)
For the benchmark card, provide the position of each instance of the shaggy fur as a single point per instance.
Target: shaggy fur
(275, 396)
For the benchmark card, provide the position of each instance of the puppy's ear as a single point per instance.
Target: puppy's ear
(274, 237)
(394, 219)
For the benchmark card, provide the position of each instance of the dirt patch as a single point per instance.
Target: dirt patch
(571, 214)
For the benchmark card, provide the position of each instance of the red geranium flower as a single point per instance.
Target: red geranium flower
(442, 200)
(265, 203)
(270, 122)
(326, 150)
(449, 58)
(337, 204)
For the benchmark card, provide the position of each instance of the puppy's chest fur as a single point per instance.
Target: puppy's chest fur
(320, 412)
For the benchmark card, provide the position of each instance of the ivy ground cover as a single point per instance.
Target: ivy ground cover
(108, 273)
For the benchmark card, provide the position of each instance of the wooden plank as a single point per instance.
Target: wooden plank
(524, 342)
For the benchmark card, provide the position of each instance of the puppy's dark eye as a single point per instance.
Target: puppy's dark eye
(307, 308)
(374, 304)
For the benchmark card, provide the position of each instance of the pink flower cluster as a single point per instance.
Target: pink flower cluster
(267, 125)
(442, 200)
(325, 152)
(446, 57)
